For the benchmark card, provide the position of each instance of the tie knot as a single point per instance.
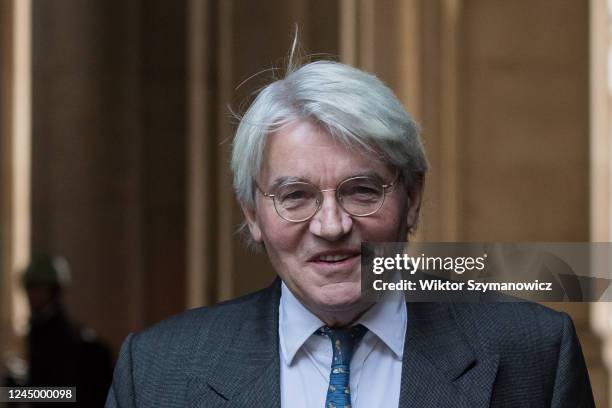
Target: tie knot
(343, 341)
(352, 334)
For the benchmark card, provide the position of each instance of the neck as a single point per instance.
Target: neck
(342, 318)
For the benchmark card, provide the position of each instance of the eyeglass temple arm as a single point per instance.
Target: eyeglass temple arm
(391, 184)
(263, 192)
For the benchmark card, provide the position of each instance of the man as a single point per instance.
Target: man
(323, 160)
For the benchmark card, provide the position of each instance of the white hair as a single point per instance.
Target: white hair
(351, 105)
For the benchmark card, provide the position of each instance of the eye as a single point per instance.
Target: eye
(295, 194)
(364, 189)
(360, 191)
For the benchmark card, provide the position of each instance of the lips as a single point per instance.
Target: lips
(332, 258)
(336, 266)
(335, 257)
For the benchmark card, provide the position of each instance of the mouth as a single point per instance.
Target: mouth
(337, 260)
(333, 258)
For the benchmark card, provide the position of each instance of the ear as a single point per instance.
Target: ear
(415, 196)
(250, 214)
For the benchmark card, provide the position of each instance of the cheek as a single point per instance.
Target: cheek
(387, 225)
(387, 231)
(280, 237)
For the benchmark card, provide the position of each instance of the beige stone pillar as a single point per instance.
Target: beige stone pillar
(601, 176)
(15, 171)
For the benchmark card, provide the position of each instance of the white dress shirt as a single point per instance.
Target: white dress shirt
(376, 365)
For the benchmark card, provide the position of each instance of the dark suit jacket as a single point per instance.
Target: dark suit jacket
(456, 355)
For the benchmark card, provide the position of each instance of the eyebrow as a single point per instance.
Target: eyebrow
(279, 181)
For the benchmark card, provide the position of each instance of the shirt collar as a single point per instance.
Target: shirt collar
(387, 319)
(295, 324)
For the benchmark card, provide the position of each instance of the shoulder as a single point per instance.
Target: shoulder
(537, 348)
(520, 333)
(506, 317)
(184, 348)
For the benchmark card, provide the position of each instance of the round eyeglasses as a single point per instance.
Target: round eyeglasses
(359, 196)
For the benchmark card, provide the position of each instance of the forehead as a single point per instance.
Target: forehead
(306, 150)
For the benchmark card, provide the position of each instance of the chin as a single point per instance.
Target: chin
(339, 296)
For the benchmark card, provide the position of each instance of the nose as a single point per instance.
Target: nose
(331, 222)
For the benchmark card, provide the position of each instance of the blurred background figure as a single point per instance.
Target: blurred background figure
(61, 353)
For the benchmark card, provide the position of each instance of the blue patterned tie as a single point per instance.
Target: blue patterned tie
(343, 341)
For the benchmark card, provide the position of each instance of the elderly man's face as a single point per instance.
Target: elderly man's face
(319, 259)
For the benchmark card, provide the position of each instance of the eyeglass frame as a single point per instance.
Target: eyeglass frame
(320, 202)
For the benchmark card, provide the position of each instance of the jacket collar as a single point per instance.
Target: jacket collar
(440, 368)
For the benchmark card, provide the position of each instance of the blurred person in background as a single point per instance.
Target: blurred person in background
(60, 353)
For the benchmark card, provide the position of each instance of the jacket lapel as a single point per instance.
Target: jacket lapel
(249, 373)
(440, 368)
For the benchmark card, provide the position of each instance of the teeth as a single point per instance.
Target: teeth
(333, 258)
